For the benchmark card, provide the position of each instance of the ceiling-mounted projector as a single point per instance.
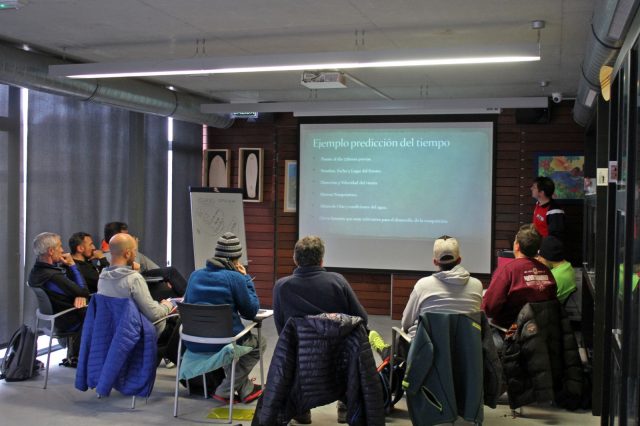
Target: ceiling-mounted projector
(323, 80)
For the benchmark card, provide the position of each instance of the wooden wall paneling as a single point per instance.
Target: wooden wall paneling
(272, 233)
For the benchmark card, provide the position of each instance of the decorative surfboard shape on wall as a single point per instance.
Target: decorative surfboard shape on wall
(251, 173)
(217, 172)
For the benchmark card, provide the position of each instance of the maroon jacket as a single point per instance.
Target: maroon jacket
(512, 286)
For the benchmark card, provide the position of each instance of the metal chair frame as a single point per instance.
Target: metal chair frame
(208, 324)
(45, 313)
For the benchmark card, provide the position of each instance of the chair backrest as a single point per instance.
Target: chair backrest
(206, 320)
(44, 304)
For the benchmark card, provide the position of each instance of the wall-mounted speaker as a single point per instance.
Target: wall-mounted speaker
(533, 115)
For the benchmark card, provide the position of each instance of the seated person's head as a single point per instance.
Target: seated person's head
(124, 249)
(228, 247)
(47, 246)
(113, 228)
(527, 241)
(551, 250)
(81, 243)
(446, 253)
(308, 251)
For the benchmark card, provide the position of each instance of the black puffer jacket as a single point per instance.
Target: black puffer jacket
(318, 360)
(46, 276)
(541, 360)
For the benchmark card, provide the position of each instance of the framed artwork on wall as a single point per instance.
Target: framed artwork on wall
(251, 173)
(217, 169)
(290, 185)
(566, 170)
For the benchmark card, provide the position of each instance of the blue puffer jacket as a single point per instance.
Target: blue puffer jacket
(117, 350)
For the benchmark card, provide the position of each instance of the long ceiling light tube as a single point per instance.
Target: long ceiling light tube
(297, 62)
(388, 107)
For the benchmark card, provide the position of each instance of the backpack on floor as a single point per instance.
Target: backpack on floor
(391, 392)
(19, 361)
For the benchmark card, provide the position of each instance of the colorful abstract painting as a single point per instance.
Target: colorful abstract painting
(567, 172)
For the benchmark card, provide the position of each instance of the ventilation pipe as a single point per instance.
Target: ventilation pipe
(609, 26)
(30, 70)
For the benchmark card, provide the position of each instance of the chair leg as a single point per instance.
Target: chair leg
(233, 388)
(204, 385)
(46, 374)
(260, 350)
(35, 344)
(175, 395)
(133, 402)
(394, 337)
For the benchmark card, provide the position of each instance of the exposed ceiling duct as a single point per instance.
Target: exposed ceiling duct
(609, 26)
(30, 70)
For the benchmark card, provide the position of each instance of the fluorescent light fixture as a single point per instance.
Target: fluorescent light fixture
(298, 62)
(11, 4)
(383, 107)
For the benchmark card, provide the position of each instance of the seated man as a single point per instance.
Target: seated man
(312, 290)
(224, 280)
(49, 274)
(450, 290)
(552, 254)
(148, 268)
(520, 281)
(90, 262)
(120, 280)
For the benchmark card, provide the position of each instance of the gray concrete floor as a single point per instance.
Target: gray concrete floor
(26, 403)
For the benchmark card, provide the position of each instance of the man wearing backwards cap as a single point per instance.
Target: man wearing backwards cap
(224, 281)
(450, 290)
(552, 254)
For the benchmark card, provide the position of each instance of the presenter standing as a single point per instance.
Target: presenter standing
(548, 217)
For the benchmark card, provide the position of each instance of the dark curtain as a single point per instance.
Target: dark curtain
(154, 222)
(10, 282)
(187, 171)
(89, 164)
(8, 316)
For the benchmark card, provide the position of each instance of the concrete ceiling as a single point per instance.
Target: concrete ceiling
(121, 30)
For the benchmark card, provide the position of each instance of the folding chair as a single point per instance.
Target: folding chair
(208, 324)
(45, 314)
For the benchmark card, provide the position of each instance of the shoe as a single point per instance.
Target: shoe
(377, 342)
(253, 395)
(69, 362)
(168, 363)
(304, 418)
(342, 412)
(223, 399)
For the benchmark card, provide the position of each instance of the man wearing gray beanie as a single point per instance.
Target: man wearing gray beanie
(223, 281)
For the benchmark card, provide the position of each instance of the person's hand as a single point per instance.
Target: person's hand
(240, 268)
(136, 266)
(79, 302)
(97, 254)
(67, 259)
(167, 303)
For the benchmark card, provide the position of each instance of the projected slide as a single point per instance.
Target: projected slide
(379, 194)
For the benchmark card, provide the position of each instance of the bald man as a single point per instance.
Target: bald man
(120, 280)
